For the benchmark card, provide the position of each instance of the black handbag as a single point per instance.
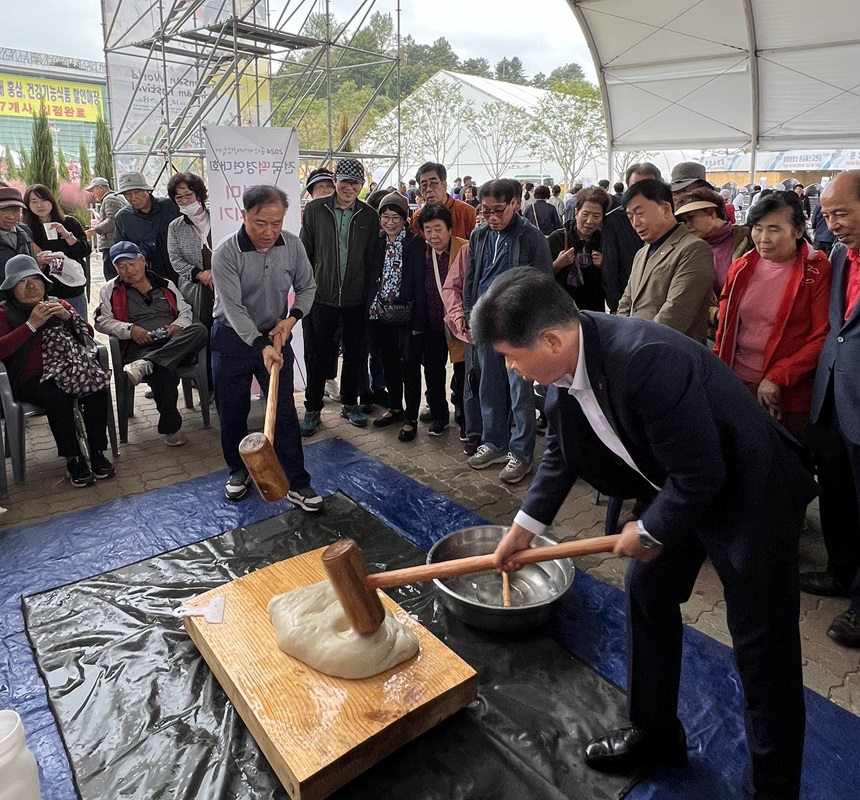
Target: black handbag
(394, 313)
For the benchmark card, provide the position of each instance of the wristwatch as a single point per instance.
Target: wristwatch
(646, 540)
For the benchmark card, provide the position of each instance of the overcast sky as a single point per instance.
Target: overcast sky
(490, 29)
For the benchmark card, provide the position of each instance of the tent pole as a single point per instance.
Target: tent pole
(753, 154)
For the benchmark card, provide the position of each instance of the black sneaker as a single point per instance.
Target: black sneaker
(426, 415)
(101, 467)
(237, 484)
(437, 427)
(305, 498)
(464, 437)
(79, 472)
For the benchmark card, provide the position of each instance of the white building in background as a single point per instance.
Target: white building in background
(464, 156)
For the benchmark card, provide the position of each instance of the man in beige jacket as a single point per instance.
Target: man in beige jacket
(673, 274)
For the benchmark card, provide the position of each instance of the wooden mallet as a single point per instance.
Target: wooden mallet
(257, 450)
(356, 590)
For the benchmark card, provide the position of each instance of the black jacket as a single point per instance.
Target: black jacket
(543, 216)
(620, 245)
(149, 233)
(319, 236)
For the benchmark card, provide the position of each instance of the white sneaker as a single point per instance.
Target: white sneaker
(138, 370)
(175, 439)
(332, 390)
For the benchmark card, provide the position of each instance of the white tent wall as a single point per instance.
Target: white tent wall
(680, 72)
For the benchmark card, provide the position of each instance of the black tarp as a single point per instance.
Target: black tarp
(142, 716)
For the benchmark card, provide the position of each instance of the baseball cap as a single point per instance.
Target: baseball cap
(124, 250)
(349, 169)
(96, 182)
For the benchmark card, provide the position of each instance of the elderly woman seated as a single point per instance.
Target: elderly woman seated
(51, 361)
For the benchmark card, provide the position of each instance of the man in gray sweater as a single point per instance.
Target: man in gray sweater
(254, 271)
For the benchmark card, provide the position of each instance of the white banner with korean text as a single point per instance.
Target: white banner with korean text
(238, 158)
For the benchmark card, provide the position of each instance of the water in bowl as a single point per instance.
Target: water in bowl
(529, 585)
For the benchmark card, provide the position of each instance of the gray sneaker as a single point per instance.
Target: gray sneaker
(138, 370)
(514, 471)
(486, 457)
(305, 498)
(308, 426)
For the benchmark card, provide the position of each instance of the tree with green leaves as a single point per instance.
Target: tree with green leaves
(569, 129)
(569, 73)
(104, 157)
(430, 126)
(511, 70)
(42, 167)
(62, 165)
(499, 130)
(476, 66)
(431, 120)
(85, 174)
(539, 81)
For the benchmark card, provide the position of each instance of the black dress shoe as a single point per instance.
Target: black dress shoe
(630, 748)
(824, 584)
(845, 629)
(407, 434)
(388, 418)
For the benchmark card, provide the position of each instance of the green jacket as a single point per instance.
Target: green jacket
(319, 236)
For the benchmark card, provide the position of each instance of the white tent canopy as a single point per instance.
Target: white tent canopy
(748, 74)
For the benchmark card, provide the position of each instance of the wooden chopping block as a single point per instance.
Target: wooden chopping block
(319, 732)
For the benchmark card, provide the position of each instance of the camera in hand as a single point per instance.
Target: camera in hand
(160, 333)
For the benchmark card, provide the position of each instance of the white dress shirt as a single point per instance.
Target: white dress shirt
(579, 386)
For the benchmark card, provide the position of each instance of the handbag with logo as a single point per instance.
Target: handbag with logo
(393, 312)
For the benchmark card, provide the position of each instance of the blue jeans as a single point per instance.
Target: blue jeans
(496, 384)
(234, 363)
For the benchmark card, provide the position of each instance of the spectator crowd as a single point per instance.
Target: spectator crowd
(384, 283)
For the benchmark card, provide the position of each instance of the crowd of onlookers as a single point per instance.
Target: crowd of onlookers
(383, 282)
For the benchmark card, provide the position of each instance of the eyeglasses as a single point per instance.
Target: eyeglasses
(493, 212)
(186, 196)
(430, 184)
(391, 218)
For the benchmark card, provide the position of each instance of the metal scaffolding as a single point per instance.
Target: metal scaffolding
(174, 66)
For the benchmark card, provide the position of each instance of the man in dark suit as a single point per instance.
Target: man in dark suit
(632, 406)
(835, 433)
(619, 241)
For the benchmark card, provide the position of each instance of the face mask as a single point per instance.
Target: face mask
(192, 209)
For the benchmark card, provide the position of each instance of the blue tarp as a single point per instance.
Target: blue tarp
(590, 622)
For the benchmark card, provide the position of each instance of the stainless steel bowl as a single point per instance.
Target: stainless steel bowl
(477, 598)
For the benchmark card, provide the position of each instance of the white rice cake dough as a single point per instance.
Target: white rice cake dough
(310, 625)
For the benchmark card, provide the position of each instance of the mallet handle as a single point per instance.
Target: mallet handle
(272, 398)
(464, 566)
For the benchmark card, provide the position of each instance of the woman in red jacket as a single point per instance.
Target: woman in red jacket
(774, 311)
